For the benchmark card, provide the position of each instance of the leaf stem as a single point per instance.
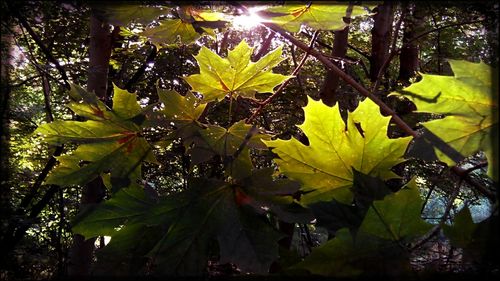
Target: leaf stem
(282, 86)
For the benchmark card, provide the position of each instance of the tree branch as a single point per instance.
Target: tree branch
(282, 86)
(383, 107)
(43, 48)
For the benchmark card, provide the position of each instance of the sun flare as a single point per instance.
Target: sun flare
(248, 21)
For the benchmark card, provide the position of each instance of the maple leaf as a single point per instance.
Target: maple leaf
(208, 210)
(396, 217)
(123, 13)
(110, 141)
(471, 114)
(462, 231)
(191, 25)
(324, 167)
(317, 16)
(379, 244)
(214, 210)
(181, 110)
(236, 74)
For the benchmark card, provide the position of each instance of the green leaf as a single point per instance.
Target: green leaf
(123, 13)
(348, 256)
(462, 230)
(125, 254)
(317, 16)
(235, 74)
(122, 159)
(334, 215)
(262, 191)
(213, 213)
(170, 31)
(397, 217)
(181, 110)
(226, 142)
(129, 205)
(191, 25)
(333, 258)
(125, 104)
(90, 131)
(471, 115)
(324, 167)
(111, 141)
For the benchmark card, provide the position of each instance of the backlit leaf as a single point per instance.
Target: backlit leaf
(236, 74)
(128, 205)
(191, 25)
(324, 167)
(123, 13)
(471, 114)
(111, 141)
(328, 16)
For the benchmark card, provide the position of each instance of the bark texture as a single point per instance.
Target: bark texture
(331, 83)
(408, 58)
(381, 38)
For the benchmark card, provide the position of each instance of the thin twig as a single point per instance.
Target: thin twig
(282, 86)
(40, 44)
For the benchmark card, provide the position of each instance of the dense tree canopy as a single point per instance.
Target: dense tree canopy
(248, 138)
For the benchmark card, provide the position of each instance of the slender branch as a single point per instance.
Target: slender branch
(41, 177)
(392, 53)
(223, 43)
(295, 64)
(282, 86)
(383, 107)
(348, 79)
(46, 98)
(25, 81)
(358, 51)
(40, 44)
(443, 27)
(138, 74)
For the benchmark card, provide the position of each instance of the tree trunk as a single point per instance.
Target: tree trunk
(381, 38)
(408, 58)
(7, 49)
(331, 82)
(99, 54)
(340, 44)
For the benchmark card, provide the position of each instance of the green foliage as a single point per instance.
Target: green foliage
(110, 141)
(210, 210)
(397, 217)
(460, 233)
(191, 25)
(229, 203)
(235, 74)
(471, 115)
(324, 167)
(123, 13)
(317, 16)
(386, 228)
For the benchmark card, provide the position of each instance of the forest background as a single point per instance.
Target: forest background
(127, 148)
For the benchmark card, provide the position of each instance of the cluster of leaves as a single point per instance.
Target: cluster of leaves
(339, 175)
